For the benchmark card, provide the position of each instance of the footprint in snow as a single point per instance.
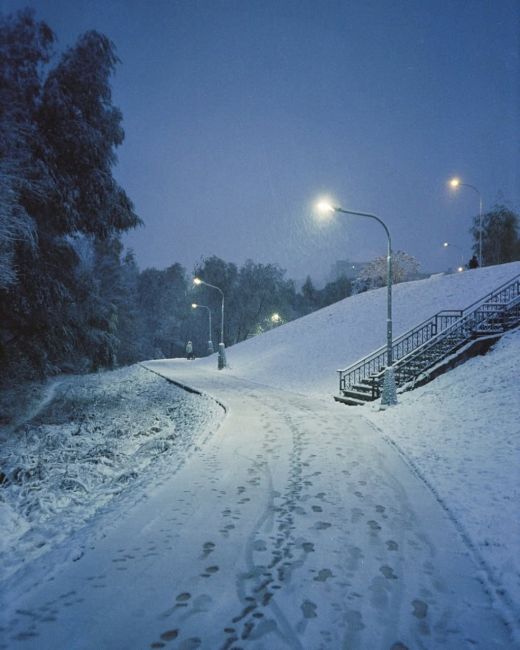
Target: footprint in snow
(420, 608)
(388, 572)
(309, 609)
(208, 548)
(210, 570)
(324, 575)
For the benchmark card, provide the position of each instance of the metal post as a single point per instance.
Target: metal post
(472, 187)
(210, 342)
(221, 348)
(480, 230)
(388, 396)
(389, 352)
(221, 362)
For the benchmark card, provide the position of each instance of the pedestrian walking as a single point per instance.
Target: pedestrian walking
(189, 351)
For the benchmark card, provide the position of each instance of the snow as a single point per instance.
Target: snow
(89, 440)
(299, 522)
(462, 435)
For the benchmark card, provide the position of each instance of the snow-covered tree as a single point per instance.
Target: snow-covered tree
(25, 47)
(82, 128)
(59, 133)
(374, 274)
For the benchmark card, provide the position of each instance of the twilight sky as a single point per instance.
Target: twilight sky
(239, 113)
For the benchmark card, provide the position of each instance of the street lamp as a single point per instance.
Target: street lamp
(210, 342)
(460, 268)
(455, 183)
(276, 318)
(388, 396)
(221, 348)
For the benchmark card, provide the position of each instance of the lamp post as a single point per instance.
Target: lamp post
(221, 348)
(449, 245)
(388, 396)
(455, 183)
(210, 342)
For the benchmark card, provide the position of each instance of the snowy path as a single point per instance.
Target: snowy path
(295, 526)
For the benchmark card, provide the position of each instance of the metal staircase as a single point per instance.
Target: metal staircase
(419, 350)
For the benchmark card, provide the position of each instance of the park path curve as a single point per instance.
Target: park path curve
(294, 526)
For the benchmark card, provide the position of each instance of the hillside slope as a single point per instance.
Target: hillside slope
(303, 355)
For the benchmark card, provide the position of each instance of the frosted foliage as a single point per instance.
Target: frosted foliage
(100, 437)
(374, 275)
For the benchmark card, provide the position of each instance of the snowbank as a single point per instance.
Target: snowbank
(101, 437)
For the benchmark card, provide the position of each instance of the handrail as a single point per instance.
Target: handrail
(491, 293)
(444, 333)
(400, 338)
(379, 356)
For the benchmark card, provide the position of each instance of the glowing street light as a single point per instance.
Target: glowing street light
(388, 396)
(455, 183)
(276, 318)
(221, 348)
(323, 207)
(446, 244)
(194, 305)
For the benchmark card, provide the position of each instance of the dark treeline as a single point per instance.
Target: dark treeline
(71, 299)
(500, 236)
(154, 316)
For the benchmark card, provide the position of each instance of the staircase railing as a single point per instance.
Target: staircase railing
(367, 368)
(480, 321)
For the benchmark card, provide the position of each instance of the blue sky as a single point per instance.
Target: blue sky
(239, 113)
